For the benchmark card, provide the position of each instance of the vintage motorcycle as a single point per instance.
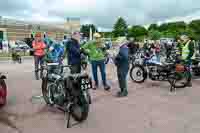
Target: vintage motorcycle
(68, 92)
(3, 90)
(173, 72)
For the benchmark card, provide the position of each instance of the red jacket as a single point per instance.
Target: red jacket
(39, 48)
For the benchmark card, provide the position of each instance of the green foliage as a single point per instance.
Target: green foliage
(120, 28)
(155, 35)
(153, 27)
(85, 29)
(108, 34)
(137, 32)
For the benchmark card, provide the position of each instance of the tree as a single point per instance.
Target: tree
(173, 29)
(85, 29)
(120, 28)
(153, 27)
(155, 35)
(194, 29)
(137, 32)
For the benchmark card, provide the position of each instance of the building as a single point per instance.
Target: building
(11, 29)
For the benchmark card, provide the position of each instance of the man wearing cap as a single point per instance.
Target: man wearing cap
(72, 49)
(121, 61)
(39, 52)
(96, 52)
(187, 54)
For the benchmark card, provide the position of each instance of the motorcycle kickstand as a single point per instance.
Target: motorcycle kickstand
(172, 88)
(68, 110)
(68, 118)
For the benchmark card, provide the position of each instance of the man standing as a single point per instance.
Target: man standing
(39, 52)
(121, 61)
(72, 49)
(187, 55)
(96, 52)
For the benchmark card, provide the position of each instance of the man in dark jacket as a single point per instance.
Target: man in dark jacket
(73, 53)
(121, 61)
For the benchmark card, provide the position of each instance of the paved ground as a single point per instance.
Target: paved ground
(149, 108)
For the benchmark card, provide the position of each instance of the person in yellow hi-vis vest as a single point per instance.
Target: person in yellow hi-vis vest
(187, 54)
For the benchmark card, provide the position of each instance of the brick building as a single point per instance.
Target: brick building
(11, 29)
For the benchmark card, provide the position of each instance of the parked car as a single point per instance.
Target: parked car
(22, 45)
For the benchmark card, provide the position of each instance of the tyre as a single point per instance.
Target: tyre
(138, 73)
(80, 110)
(45, 90)
(3, 93)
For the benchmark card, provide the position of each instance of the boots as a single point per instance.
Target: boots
(122, 93)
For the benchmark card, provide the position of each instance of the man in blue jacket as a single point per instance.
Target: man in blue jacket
(121, 61)
(73, 53)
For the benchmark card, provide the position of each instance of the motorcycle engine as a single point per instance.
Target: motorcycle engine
(153, 72)
(59, 95)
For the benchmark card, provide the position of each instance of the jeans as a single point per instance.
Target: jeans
(122, 73)
(76, 68)
(39, 60)
(102, 66)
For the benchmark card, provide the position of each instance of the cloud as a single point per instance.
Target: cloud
(103, 13)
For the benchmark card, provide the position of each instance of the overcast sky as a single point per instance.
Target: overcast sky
(103, 13)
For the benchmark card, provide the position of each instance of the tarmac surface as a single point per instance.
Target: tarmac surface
(149, 107)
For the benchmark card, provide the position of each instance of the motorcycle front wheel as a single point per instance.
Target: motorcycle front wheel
(138, 73)
(80, 109)
(45, 90)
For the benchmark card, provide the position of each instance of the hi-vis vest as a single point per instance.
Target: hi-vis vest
(186, 51)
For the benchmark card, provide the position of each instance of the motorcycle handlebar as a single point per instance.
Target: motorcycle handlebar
(45, 67)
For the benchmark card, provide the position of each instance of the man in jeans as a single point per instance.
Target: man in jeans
(96, 52)
(39, 52)
(72, 49)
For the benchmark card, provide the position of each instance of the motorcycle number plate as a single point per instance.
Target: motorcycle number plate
(85, 84)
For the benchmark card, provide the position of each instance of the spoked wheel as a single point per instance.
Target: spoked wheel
(46, 90)
(138, 74)
(3, 93)
(80, 110)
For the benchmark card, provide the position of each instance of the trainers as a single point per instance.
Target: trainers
(106, 88)
(95, 87)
